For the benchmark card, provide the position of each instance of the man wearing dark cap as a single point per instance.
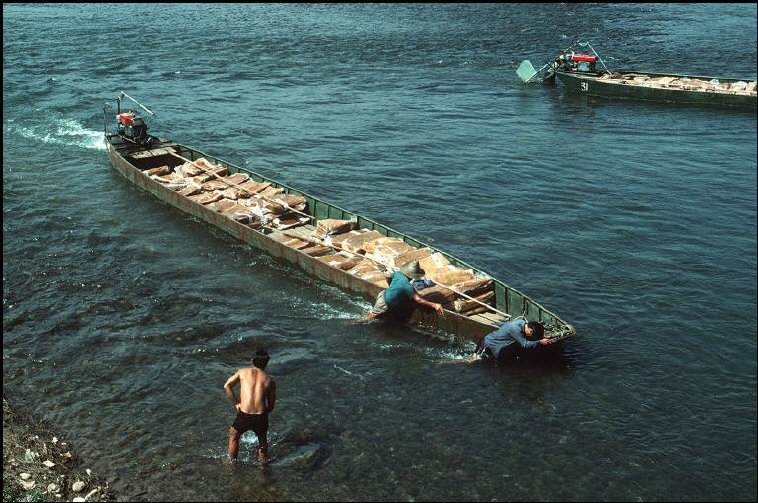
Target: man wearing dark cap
(510, 336)
(400, 294)
(257, 398)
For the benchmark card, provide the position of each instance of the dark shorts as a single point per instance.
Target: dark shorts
(509, 353)
(256, 422)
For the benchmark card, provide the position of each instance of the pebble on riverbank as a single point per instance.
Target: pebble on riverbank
(39, 466)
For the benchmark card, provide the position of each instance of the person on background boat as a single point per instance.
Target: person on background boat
(400, 297)
(257, 398)
(509, 338)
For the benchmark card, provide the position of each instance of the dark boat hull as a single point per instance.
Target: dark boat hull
(595, 85)
(130, 160)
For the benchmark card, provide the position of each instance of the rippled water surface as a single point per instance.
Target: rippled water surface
(636, 223)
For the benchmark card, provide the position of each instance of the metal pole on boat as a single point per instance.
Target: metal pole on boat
(138, 103)
(477, 301)
(392, 268)
(598, 56)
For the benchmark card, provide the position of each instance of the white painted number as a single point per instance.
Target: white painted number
(584, 86)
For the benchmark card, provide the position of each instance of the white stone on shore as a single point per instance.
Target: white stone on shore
(78, 486)
(28, 485)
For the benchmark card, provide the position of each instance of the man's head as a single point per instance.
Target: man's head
(260, 359)
(412, 270)
(537, 329)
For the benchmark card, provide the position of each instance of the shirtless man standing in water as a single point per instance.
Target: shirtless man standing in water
(257, 399)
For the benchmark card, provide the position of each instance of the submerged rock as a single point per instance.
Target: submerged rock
(304, 456)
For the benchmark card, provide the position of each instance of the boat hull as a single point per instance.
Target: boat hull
(130, 160)
(596, 85)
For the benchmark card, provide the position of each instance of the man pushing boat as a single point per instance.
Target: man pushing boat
(401, 296)
(512, 336)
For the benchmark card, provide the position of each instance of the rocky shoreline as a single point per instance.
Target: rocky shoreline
(38, 465)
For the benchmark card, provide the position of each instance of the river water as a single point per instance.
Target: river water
(636, 223)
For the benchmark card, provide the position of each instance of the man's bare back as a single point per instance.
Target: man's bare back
(257, 398)
(257, 391)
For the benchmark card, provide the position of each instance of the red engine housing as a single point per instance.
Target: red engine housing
(586, 58)
(126, 118)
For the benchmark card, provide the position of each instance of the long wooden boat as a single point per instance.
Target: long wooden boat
(336, 245)
(587, 74)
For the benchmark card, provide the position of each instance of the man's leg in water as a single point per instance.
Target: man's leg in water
(262, 448)
(234, 443)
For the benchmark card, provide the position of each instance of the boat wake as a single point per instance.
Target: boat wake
(351, 308)
(62, 131)
(326, 311)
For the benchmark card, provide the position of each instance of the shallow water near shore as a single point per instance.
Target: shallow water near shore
(636, 223)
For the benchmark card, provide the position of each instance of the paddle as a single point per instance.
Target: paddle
(473, 299)
(527, 72)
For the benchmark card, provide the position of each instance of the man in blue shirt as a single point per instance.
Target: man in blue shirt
(400, 297)
(510, 336)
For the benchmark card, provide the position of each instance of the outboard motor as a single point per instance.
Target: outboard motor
(133, 127)
(139, 130)
(582, 62)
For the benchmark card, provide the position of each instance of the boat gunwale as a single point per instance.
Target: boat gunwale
(598, 75)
